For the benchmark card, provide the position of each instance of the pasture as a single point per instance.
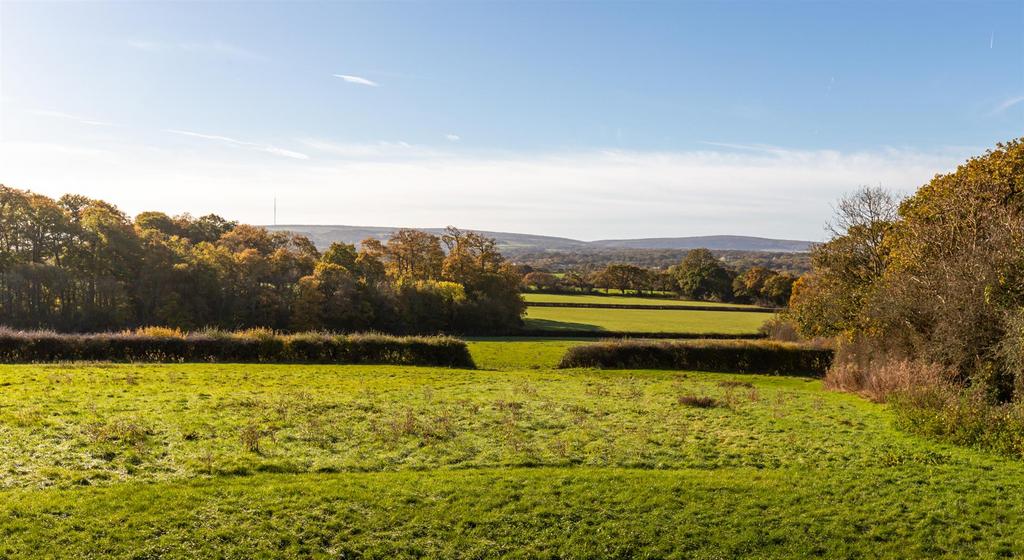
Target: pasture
(516, 459)
(623, 300)
(644, 320)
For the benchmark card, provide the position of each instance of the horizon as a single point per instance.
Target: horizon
(357, 226)
(614, 122)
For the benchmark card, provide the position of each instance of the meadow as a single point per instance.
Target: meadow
(644, 320)
(623, 300)
(514, 459)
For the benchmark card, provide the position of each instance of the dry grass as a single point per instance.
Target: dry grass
(698, 401)
(859, 368)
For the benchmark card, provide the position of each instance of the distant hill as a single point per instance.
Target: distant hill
(717, 242)
(323, 236)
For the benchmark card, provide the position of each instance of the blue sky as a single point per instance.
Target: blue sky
(590, 120)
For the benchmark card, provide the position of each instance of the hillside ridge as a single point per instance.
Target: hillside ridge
(324, 235)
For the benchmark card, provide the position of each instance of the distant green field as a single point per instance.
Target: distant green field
(631, 293)
(514, 460)
(623, 300)
(643, 320)
(519, 352)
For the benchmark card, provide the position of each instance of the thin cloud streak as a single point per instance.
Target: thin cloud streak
(1007, 104)
(235, 142)
(383, 150)
(216, 48)
(359, 80)
(762, 148)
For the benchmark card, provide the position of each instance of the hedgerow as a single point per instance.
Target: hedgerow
(736, 356)
(252, 346)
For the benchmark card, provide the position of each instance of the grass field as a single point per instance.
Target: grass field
(623, 300)
(643, 320)
(516, 459)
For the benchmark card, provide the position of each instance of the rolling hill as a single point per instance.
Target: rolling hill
(324, 235)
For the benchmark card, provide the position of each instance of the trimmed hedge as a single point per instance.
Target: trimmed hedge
(557, 333)
(241, 347)
(694, 307)
(729, 356)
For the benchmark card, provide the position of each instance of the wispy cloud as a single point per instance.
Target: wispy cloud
(762, 148)
(399, 150)
(357, 80)
(785, 193)
(235, 142)
(1006, 104)
(452, 137)
(66, 116)
(215, 48)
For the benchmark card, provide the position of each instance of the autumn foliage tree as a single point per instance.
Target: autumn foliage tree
(82, 264)
(938, 279)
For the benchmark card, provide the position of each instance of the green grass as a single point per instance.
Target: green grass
(520, 353)
(643, 320)
(623, 300)
(516, 459)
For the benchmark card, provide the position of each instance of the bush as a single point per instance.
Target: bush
(253, 346)
(702, 401)
(963, 416)
(780, 328)
(734, 356)
(870, 368)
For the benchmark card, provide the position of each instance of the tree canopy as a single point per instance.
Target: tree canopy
(82, 264)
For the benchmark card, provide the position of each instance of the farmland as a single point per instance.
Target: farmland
(643, 320)
(622, 300)
(515, 458)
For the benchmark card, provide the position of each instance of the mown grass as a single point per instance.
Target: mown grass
(623, 300)
(102, 424)
(644, 320)
(513, 353)
(515, 459)
(902, 511)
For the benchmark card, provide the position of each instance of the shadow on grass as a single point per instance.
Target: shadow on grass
(555, 326)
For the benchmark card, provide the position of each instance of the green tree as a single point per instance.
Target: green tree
(702, 276)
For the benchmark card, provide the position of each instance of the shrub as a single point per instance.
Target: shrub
(164, 332)
(963, 416)
(738, 356)
(701, 401)
(780, 328)
(245, 347)
(872, 369)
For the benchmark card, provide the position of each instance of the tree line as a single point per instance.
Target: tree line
(926, 296)
(701, 275)
(589, 259)
(80, 264)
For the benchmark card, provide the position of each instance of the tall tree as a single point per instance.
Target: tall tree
(702, 276)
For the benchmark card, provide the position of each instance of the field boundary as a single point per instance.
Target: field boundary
(544, 333)
(256, 346)
(727, 356)
(729, 308)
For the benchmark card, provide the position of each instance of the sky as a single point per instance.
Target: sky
(590, 120)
